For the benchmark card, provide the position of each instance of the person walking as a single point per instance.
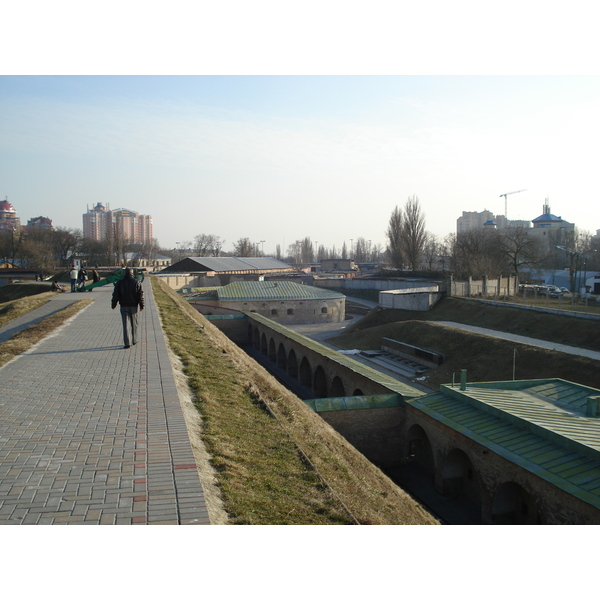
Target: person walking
(129, 294)
(82, 278)
(73, 276)
(95, 277)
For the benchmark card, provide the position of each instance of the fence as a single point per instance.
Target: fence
(503, 286)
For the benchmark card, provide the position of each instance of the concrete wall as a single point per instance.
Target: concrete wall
(376, 433)
(379, 284)
(501, 286)
(235, 327)
(409, 300)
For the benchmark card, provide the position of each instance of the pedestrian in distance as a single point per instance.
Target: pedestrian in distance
(82, 278)
(73, 276)
(95, 277)
(129, 294)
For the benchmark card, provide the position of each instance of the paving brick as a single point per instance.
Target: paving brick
(89, 429)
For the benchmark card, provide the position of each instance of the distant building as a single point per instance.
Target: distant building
(140, 259)
(281, 301)
(549, 222)
(473, 220)
(100, 223)
(338, 264)
(209, 271)
(487, 220)
(39, 223)
(9, 221)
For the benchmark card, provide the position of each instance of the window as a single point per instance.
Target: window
(324, 310)
(290, 311)
(274, 312)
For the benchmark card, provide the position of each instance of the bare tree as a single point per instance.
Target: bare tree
(65, 242)
(244, 247)
(208, 244)
(361, 250)
(520, 248)
(394, 236)
(431, 252)
(477, 253)
(414, 234)
(344, 251)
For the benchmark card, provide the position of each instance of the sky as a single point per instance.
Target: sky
(280, 158)
(313, 147)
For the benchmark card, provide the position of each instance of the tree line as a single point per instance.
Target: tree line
(51, 250)
(486, 252)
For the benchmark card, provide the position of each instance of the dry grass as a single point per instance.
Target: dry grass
(484, 357)
(14, 291)
(561, 329)
(277, 461)
(15, 308)
(24, 340)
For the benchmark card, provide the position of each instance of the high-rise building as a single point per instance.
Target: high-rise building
(473, 220)
(486, 220)
(39, 223)
(8, 217)
(100, 223)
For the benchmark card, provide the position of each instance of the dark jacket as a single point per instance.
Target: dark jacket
(128, 292)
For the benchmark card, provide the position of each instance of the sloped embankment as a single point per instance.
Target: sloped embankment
(560, 329)
(275, 460)
(485, 358)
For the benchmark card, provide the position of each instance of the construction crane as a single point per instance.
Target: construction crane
(505, 202)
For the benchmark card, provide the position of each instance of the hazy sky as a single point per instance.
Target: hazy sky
(278, 158)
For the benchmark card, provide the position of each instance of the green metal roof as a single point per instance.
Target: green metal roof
(239, 291)
(389, 382)
(539, 425)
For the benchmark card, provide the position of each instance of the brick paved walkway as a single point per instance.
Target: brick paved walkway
(91, 433)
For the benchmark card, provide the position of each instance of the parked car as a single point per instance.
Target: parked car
(565, 290)
(557, 293)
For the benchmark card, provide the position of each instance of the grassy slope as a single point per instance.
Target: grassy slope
(16, 307)
(485, 358)
(14, 291)
(572, 331)
(261, 471)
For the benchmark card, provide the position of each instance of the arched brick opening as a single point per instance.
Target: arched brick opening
(459, 477)
(320, 385)
(263, 343)
(272, 351)
(357, 392)
(281, 357)
(513, 505)
(256, 339)
(337, 388)
(418, 451)
(305, 373)
(292, 364)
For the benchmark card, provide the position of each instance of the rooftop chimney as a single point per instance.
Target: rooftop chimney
(593, 407)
